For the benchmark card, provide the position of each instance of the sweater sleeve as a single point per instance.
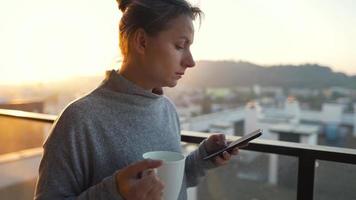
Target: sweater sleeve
(195, 166)
(64, 171)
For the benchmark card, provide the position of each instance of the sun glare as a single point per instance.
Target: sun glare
(46, 40)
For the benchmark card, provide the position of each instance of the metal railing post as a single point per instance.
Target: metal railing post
(306, 170)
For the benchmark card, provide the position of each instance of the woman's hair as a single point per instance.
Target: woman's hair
(151, 15)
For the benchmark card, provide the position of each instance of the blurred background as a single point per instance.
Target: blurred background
(288, 67)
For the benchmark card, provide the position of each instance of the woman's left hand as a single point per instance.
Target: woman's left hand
(216, 142)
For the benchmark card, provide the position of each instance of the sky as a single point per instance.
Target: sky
(45, 40)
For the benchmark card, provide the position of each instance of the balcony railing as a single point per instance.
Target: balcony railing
(306, 155)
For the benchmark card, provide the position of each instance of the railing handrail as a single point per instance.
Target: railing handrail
(22, 154)
(40, 117)
(306, 154)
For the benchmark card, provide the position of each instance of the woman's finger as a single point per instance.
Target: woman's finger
(235, 151)
(147, 183)
(219, 139)
(218, 160)
(223, 138)
(156, 192)
(226, 156)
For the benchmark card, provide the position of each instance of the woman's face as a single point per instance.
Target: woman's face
(167, 55)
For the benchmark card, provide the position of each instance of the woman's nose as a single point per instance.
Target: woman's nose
(189, 61)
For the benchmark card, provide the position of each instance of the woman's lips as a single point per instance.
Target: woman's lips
(179, 74)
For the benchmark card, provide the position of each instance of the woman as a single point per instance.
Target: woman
(95, 148)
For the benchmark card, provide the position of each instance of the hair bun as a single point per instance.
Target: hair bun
(123, 4)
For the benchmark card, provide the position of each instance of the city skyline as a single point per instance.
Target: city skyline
(50, 40)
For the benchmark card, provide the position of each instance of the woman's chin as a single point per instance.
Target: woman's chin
(172, 83)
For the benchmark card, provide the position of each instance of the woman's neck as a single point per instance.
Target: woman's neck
(132, 73)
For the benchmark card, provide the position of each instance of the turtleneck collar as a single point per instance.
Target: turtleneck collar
(116, 82)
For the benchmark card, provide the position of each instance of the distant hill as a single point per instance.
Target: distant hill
(229, 74)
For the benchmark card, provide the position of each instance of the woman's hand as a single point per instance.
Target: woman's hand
(216, 142)
(133, 187)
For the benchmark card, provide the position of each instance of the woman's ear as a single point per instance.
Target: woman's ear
(140, 41)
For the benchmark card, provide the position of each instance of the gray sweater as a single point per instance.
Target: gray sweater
(105, 131)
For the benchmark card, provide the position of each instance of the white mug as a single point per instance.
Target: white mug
(171, 172)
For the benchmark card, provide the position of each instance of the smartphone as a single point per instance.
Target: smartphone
(239, 142)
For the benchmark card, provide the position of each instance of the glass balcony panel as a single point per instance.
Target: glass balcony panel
(19, 134)
(334, 181)
(21, 191)
(18, 174)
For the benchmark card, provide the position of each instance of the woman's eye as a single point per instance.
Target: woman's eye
(179, 47)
